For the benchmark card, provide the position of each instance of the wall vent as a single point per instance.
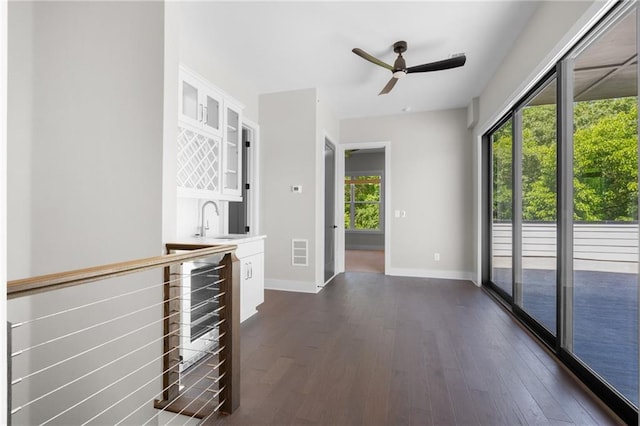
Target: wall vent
(299, 252)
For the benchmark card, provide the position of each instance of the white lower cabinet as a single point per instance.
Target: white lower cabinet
(251, 256)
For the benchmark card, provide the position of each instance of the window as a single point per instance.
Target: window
(362, 198)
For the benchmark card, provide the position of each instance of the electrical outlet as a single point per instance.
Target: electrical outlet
(436, 257)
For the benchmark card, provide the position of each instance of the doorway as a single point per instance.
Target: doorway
(242, 214)
(364, 210)
(329, 210)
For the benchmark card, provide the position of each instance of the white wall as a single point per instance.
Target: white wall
(89, 78)
(551, 31)
(432, 182)
(3, 208)
(170, 129)
(20, 133)
(96, 172)
(288, 157)
(197, 49)
(293, 127)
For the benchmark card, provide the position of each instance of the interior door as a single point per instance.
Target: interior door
(239, 210)
(329, 210)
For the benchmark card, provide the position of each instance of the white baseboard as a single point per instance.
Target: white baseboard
(426, 273)
(290, 285)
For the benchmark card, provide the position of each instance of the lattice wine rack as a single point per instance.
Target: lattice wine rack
(198, 161)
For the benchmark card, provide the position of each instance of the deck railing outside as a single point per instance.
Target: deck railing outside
(606, 247)
(104, 345)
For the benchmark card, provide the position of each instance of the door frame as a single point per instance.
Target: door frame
(328, 140)
(253, 166)
(340, 240)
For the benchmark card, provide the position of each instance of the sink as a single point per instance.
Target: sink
(229, 237)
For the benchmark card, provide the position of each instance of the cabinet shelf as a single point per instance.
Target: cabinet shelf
(230, 127)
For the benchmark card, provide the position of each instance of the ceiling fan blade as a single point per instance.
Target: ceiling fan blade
(456, 61)
(372, 59)
(389, 86)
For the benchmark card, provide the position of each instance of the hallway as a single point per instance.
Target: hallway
(364, 261)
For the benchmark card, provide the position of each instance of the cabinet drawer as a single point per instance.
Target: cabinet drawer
(250, 248)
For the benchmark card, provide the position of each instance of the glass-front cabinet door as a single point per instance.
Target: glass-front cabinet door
(212, 111)
(190, 109)
(200, 106)
(232, 176)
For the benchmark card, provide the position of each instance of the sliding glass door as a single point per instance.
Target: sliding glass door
(561, 194)
(605, 207)
(538, 199)
(502, 207)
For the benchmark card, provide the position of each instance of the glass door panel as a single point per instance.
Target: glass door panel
(605, 203)
(232, 153)
(189, 101)
(212, 113)
(539, 204)
(502, 217)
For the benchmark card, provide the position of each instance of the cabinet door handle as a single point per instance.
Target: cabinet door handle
(200, 114)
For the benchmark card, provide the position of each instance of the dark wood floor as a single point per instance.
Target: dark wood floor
(373, 350)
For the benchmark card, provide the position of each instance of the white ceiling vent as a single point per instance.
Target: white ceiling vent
(299, 252)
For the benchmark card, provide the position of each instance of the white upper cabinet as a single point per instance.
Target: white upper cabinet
(209, 141)
(200, 105)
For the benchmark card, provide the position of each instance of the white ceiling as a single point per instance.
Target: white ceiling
(280, 46)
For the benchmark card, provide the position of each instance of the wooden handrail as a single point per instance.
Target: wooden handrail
(44, 283)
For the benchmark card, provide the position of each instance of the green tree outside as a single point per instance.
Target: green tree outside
(605, 163)
(366, 202)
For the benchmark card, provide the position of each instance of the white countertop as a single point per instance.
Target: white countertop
(220, 239)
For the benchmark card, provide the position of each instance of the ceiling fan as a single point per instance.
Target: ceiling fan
(400, 69)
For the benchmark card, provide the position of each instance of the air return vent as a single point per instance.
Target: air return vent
(299, 252)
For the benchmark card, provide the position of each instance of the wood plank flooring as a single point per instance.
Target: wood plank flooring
(374, 350)
(364, 261)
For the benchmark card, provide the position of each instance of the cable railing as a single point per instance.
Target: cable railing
(151, 341)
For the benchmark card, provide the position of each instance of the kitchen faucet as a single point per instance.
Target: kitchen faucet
(204, 227)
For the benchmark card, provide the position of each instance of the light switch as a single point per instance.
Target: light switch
(397, 213)
(296, 188)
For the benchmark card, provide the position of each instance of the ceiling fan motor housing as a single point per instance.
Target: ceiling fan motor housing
(400, 47)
